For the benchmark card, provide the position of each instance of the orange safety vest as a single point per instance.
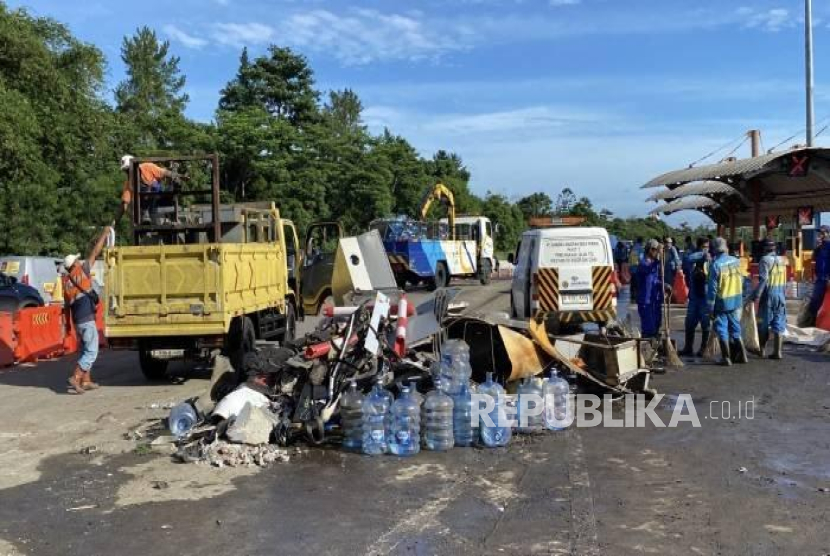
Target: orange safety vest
(70, 292)
(147, 173)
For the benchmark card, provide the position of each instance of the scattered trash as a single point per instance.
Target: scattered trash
(182, 419)
(87, 450)
(160, 485)
(81, 508)
(232, 404)
(253, 425)
(742, 470)
(226, 454)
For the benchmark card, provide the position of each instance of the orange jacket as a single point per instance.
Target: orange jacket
(79, 274)
(148, 173)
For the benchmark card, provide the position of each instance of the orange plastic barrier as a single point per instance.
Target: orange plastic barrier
(8, 341)
(40, 333)
(823, 316)
(680, 291)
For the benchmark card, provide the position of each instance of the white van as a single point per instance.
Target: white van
(566, 272)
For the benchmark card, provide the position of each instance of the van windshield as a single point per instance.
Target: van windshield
(574, 251)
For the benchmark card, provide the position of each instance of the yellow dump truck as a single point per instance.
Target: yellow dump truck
(199, 277)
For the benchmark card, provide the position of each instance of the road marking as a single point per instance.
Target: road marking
(418, 521)
(583, 521)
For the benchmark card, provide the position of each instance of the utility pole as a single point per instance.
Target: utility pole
(808, 58)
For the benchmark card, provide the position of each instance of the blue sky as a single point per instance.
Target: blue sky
(597, 95)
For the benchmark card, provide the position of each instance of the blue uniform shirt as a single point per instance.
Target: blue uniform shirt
(649, 285)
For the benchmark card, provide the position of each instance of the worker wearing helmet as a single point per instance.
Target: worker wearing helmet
(82, 300)
(650, 290)
(724, 295)
(151, 177)
(772, 281)
(821, 257)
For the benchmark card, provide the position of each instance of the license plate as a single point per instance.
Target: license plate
(576, 299)
(167, 353)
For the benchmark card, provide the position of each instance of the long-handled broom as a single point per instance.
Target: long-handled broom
(667, 347)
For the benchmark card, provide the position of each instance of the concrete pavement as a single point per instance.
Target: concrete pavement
(736, 485)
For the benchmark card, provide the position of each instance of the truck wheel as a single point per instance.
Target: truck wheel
(153, 369)
(328, 300)
(241, 340)
(442, 275)
(400, 280)
(290, 324)
(485, 269)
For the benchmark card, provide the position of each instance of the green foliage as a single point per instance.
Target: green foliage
(60, 144)
(508, 216)
(536, 204)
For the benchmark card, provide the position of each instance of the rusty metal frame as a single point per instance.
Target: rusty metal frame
(135, 187)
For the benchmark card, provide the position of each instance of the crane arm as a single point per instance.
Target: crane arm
(442, 193)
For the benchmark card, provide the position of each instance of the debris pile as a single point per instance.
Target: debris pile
(312, 388)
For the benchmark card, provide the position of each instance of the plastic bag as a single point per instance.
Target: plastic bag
(749, 328)
(712, 351)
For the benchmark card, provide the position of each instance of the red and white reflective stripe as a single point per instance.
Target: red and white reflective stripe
(400, 334)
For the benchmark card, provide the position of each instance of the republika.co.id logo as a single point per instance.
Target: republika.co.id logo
(588, 410)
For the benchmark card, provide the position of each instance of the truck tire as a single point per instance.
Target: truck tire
(442, 275)
(152, 368)
(241, 340)
(290, 324)
(400, 280)
(485, 269)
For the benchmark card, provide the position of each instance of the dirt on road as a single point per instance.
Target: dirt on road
(753, 483)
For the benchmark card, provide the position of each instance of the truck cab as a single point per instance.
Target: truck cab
(480, 230)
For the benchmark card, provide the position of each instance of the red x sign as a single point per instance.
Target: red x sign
(798, 166)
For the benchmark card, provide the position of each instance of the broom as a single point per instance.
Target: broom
(672, 359)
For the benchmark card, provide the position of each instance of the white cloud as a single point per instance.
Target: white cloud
(772, 20)
(361, 36)
(187, 40)
(564, 2)
(243, 34)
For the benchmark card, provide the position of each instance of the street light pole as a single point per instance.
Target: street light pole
(808, 46)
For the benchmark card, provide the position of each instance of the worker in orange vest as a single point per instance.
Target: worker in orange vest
(82, 301)
(152, 178)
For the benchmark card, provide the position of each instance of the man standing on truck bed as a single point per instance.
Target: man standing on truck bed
(151, 177)
(82, 302)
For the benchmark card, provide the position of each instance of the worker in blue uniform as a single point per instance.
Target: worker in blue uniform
(697, 313)
(821, 257)
(724, 295)
(650, 290)
(772, 280)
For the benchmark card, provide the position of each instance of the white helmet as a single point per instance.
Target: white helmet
(70, 260)
(126, 160)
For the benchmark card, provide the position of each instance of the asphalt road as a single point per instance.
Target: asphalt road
(744, 482)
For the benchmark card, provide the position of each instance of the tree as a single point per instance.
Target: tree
(565, 201)
(152, 97)
(407, 172)
(535, 205)
(282, 83)
(343, 112)
(507, 217)
(449, 169)
(58, 139)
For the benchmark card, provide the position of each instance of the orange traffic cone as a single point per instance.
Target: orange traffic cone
(680, 291)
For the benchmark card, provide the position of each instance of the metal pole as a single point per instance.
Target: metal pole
(808, 46)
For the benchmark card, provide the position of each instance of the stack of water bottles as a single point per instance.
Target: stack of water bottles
(377, 423)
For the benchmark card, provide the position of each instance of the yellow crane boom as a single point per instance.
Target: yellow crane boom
(442, 193)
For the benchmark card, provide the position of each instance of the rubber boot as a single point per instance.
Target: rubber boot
(688, 348)
(739, 352)
(704, 340)
(726, 356)
(777, 346)
(763, 338)
(86, 381)
(75, 381)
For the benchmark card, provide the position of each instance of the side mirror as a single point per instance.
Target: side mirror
(510, 258)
